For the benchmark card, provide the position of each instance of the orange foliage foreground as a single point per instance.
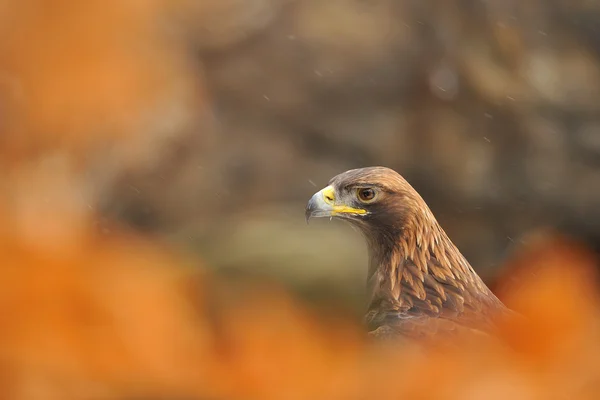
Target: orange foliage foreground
(89, 315)
(78, 74)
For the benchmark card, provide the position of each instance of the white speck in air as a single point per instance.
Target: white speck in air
(138, 191)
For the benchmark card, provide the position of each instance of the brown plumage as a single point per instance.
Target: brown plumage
(420, 284)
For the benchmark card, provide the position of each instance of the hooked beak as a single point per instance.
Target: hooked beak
(323, 204)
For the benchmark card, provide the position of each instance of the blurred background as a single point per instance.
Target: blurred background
(490, 109)
(192, 133)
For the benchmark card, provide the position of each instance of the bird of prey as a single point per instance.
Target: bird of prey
(420, 285)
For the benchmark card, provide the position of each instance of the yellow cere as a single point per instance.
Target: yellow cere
(328, 195)
(329, 198)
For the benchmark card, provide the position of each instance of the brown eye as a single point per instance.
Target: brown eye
(366, 195)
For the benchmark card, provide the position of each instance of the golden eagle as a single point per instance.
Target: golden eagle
(420, 284)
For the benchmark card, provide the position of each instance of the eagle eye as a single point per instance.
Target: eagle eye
(366, 195)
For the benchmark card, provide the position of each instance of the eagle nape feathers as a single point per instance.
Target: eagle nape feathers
(420, 285)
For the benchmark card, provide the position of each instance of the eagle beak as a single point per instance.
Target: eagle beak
(323, 204)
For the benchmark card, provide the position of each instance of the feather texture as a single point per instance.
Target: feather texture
(420, 283)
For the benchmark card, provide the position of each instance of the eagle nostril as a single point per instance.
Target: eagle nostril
(328, 195)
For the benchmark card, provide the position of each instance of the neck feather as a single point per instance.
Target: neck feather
(419, 268)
